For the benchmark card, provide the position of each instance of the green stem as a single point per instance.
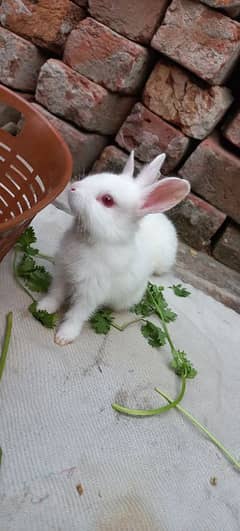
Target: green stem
(151, 412)
(46, 257)
(17, 279)
(201, 427)
(9, 319)
(118, 327)
(160, 314)
(123, 327)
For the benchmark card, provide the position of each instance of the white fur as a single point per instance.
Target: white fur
(108, 255)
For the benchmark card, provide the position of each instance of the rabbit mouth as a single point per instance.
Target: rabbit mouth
(80, 228)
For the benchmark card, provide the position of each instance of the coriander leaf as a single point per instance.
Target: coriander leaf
(31, 251)
(143, 308)
(155, 290)
(179, 290)
(146, 306)
(154, 334)
(25, 241)
(48, 320)
(181, 365)
(155, 297)
(168, 314)
(36, 277)
(101, 321)
(38, 280)
(25, 266)
(28, 237)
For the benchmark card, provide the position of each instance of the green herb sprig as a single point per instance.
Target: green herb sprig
(180, 291)
(24, 244)
(32, 277)
(154, 303)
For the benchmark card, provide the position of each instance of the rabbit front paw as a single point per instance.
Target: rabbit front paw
(66, 333)
(48, 303)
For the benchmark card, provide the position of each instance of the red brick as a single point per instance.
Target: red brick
(107, 58)
(149, 135)
(113, 160)
(174, 95)
(227, 248)
(136, 19)
(81, 101)
(47, 23)
(196, 221)
(231, 7)
(85, 147)
(232, 130)
(199, 38)
(214, 174)
(20, 61)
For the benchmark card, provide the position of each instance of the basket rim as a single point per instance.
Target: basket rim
(30, 213)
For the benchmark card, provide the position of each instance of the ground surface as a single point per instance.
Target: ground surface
(57, 428)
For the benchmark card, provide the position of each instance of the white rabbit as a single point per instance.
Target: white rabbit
(116, 242)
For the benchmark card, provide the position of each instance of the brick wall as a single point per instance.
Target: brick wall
(112, 75)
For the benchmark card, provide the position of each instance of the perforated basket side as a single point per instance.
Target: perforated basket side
(35, 167)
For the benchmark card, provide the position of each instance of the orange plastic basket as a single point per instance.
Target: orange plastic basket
(35, 167)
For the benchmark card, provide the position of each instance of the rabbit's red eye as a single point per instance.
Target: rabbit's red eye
(107, 200)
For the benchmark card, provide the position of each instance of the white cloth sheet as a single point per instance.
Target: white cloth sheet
(57, 428)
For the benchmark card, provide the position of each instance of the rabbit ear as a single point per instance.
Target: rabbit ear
(164, 195)
(150, 173)
(129, 166)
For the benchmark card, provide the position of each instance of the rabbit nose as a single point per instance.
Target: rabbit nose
(73, 189)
